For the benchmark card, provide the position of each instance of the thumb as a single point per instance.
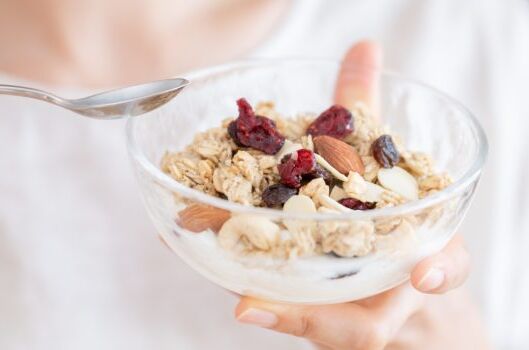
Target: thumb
(337, 326)
(366, 324)
(357, 79)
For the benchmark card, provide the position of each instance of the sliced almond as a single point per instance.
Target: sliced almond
(331, 203)
(373, 192)
(399, 181)
(330, 168)
(200, 217)
(340, 155)
(299, 204)
(338, 193)
(357, 187)
(288, 147)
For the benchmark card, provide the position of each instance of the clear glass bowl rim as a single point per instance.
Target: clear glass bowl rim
(468, 177)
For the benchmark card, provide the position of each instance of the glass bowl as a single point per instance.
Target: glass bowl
(426, 119)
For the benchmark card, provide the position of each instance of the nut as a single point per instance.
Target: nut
(339, 154)
(363, 190)
(200, 217)
(288, 147)
(299, 204)
(333, 204)
(399, 181)
(338, 193)
(329, 168)
(240, 230)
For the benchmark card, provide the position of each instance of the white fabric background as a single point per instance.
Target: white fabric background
(80, 265)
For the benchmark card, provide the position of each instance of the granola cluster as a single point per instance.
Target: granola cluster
(336, 162)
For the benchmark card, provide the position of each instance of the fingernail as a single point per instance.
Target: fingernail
(433, 279)
(258, 317)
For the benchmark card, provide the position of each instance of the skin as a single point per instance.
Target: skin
(101, 43)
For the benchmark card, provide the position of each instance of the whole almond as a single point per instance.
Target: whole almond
(340, 155)
(199, 217)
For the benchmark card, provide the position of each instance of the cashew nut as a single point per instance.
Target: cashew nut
(259, 232)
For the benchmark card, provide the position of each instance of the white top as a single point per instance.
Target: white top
(80, 265)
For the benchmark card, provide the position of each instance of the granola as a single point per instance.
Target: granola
(336, 162)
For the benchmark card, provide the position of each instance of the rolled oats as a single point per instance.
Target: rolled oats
(418, 163)
(347, 238)
(234, 186)
(371, 168)
(390, 199)
(315, 189)
(436, 182)
(216, 165)
(248, 167)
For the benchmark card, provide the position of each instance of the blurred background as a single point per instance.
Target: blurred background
(80, 267)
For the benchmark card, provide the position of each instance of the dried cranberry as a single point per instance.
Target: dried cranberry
(336, 121)
(355, 204)
(385, 152)
(295, 165)
(245, 109)
(277, 195)
(305, 161)
(232, 131)
(255, 131)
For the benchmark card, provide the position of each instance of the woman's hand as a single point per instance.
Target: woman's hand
(379, 321)
(376, 322)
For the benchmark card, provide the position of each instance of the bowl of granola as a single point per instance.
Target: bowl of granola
(258, 181)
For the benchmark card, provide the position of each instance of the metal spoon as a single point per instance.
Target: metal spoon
(128, 101)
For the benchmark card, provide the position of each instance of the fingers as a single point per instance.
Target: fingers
(443, 271)
(335, 326)
(338, 326)
(357, 80)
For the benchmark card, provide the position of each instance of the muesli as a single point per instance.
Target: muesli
(338, 161)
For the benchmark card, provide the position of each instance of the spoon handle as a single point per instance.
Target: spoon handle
(14, 90)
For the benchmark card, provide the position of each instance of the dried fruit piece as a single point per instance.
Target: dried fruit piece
(255, 131)
(277, 195)
(340, 155)
(385, 152)
(336, 121)
(200, 217)
(399, 181)
(294, 166)
(355, 204)
(232, 131)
